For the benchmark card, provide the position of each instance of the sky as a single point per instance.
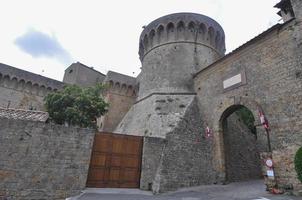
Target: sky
(46, 36)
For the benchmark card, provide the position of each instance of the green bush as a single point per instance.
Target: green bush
(298, 163)
(247, 117)
(76, 105)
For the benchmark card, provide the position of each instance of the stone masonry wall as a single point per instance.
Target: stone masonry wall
(186, 158)
(20, 99)
(272, 64)
(241, 152)
(152, 153)
(119, 104)
(43, 161)
(284, 168)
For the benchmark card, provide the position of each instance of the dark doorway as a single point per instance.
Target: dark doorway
(242, 159)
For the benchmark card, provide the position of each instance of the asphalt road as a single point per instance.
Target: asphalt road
(252, 190)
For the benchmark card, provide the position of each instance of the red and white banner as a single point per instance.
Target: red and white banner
(263, 120)
(208, 132)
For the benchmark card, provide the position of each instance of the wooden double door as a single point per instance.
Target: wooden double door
(115, 161)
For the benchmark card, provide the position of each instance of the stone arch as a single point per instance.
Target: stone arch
(49, 89)
(35, 89)
(141, 49)
(217, 40)
(180, 30)
(42, 90)
(21, 84)
(146, 43)
(14, 83)
(111, 84)
(202, 29)
(192, 31)
(124, 88)
(117, 86)
(211, 36)
(170, 31)
(6, 81)
(227, 107)
(130, 90)
(222, 44)
(28, 86)
(134, 93)
(151, 37)
(160, 34)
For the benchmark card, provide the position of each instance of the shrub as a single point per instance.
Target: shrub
(298, 163)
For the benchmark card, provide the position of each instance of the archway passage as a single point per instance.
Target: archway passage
(242, 159)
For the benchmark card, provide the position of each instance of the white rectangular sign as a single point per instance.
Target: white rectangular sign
(232, 81)
(270, 173)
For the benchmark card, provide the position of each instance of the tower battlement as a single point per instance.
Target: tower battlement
(182, 27)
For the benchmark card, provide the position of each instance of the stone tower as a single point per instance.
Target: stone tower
(172, 49)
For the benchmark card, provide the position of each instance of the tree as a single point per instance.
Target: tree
(247, 117)
(76, 105)
(298, 163)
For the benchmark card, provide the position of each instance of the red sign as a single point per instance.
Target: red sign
(269, 163)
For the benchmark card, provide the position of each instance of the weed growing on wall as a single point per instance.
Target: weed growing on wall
(298, 163)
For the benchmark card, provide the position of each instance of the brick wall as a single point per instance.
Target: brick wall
(43, 161)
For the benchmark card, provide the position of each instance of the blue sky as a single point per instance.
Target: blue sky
(45, 37)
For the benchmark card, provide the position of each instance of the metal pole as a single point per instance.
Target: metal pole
(268, 140)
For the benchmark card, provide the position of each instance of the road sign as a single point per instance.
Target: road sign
(269, 163)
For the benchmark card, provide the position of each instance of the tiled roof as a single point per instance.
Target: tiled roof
(30, 115)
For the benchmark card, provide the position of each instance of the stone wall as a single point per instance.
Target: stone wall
(82, 75)
(186, 158)
(120, 100)
(43, 161)
(12, 98)
(297, 5)
(152, 153)
(120, 93)
(284, 167)
(24, 90)
(173, 48)
(241, 151)
(271, 64)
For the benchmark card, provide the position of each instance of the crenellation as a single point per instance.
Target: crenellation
(23, 86)
(196, 31)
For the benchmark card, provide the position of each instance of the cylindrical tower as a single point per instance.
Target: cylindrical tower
(173, 48)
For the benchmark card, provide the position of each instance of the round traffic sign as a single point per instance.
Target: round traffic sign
(269, 163)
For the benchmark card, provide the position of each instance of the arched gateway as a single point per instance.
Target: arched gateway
(238, 140)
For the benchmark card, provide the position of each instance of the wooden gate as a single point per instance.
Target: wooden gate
(115, 161)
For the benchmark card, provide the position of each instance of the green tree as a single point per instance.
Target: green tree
(76, 105)
(298, 163)
(247, 117)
